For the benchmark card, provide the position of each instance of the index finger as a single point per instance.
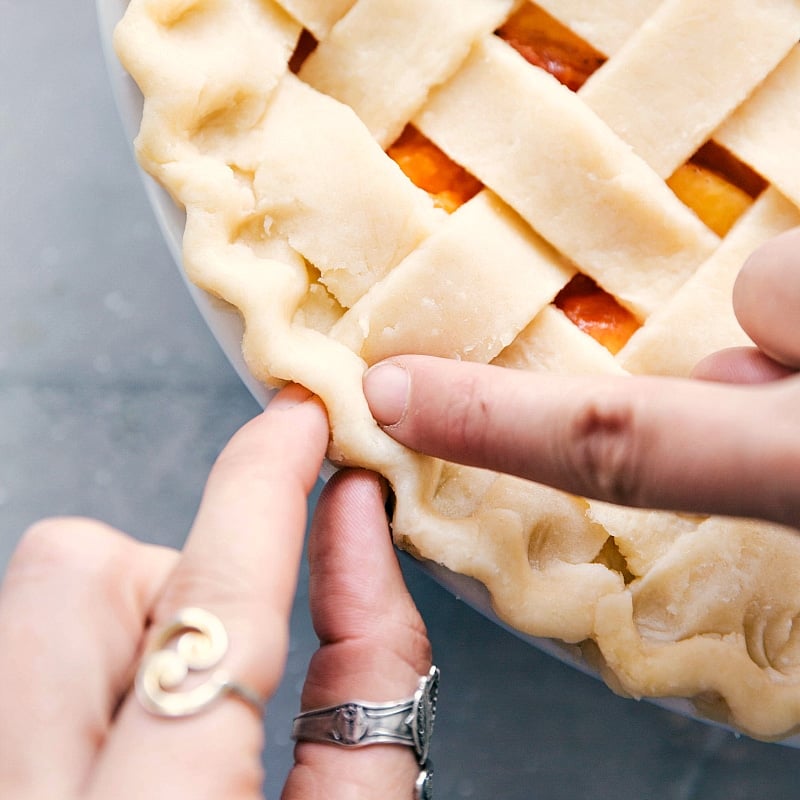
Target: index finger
(648, 442)
(240, 563)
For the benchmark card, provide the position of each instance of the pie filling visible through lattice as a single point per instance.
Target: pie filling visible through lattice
(569, 186)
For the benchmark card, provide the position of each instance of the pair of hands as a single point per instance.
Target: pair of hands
(78, 597)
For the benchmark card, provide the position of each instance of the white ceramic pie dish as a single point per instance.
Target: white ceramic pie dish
(225, 324)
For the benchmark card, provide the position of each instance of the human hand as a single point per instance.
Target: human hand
(689, 445)
(80, 600)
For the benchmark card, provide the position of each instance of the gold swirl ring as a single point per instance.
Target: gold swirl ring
(194, 641)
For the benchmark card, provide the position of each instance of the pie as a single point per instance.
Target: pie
(568, 186)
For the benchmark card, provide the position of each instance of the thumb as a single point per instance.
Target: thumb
(373, 643)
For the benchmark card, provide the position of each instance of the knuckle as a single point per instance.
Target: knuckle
(68, 546)
(467, 419)
(385, 662)
(417, 648)
(404, 637)
(216, 583)
(603, 449)
(235, 473)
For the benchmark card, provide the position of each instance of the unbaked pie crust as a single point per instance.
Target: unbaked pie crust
(296, 215)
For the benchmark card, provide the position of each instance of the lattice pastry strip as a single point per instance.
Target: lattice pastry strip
(323, 218)
(317, 17)
(764, 132)
(604, 24)
(761, 132)
(564, 171)
(297, 217)
(671, 342)
(553, 343)
(654, 93)
(387, 81)
(426, 304)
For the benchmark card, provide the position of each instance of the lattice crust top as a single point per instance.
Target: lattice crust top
(272, 122)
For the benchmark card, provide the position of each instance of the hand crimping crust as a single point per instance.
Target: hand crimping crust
(296, 216)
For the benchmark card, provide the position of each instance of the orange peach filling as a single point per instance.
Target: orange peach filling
(716, 186)
(596, 312)
(428, 167)
(544, 42)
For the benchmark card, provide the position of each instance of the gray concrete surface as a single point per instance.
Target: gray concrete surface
(114, 400)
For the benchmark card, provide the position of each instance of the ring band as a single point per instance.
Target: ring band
(357, 723)
(423, 788)
(195, 640)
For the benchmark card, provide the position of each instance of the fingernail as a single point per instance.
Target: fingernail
(293, 394)
(386, 390)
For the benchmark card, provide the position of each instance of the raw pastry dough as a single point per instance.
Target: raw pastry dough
(298, 217)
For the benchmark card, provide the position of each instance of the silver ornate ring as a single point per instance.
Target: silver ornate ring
(194, 641)
(357, 723)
